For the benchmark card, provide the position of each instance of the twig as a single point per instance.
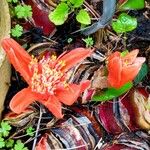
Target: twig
(93, 12)
(30, 139)
(37, 129)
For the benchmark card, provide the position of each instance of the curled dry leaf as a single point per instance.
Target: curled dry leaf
(99, 80)
(22, 119)
(130, 112)
(126, 141)
(76, 132)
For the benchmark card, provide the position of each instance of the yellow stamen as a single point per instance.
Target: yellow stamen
(46, 77)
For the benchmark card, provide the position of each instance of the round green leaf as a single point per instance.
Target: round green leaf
(83, 17)
(60, 14)
(124, 23)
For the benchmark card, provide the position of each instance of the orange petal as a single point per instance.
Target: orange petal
(54, 106)
(113, 55)
(73, 57)
(19, 58)
(22, 100)
(114, 71)
(130, 57)
(84, 85)
(131, 71)
(69, 95)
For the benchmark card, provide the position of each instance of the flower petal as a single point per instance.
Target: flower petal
(22, 100)
(130, 57)
(19, 58)
(69, 95)
(73, 57)
(130, 72)
(114, 70)
(53, 105)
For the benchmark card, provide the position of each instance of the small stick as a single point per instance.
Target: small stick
(37, 129)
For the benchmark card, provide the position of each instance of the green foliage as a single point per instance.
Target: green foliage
(30, 131)
(12, 1)
(89, 41)
(142, 73)
(6, 142)
(60, 14)
(17, 31)
(5, 129)
(9, 143)
(24, 11)
(2, 142)
(76, 3)
(65, 7)
(132, 5)
(83, 17)
(124, 23)
(112, 93)
(20, 146)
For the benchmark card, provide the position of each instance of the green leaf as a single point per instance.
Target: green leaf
(76, 3)
(17, 31)
(30, 131)
(12, 1)
(124, 23)
(60, 14)
(89, 41)
(112, 93)
(142, 73)
(9, 143)
(5, 129)
(20, 146)
(83, 17)
(2, 142)
(24, 11)
(132, 5)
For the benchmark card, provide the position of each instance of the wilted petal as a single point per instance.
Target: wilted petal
(73, 57)
(22, 100)
(18, 57)
(69, 95)
(130, 57)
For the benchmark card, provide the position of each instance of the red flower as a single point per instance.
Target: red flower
(123, 69)
(47, 78)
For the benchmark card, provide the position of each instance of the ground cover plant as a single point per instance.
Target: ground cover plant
(80, 75)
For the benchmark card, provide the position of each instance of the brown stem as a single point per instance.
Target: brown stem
(91, 10)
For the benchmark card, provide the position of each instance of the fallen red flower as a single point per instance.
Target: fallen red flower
(123, 69)
(47, 78)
